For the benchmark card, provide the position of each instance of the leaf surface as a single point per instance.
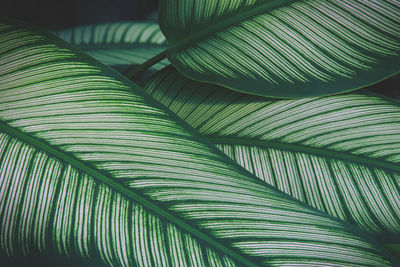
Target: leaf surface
(339, 154)
(91, 166)
(283, 48)
(119, 44)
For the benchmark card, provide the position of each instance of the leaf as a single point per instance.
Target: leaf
(119, 44)
(93, 167)
(284, 48)
(339, 154)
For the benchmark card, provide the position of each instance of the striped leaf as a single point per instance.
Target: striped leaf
(92, 167)
(119, 44)
(339, 154)
(284, 48)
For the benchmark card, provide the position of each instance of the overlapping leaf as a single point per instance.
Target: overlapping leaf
(339, 154)
(119, 44)
(91, 166)
(284, 48)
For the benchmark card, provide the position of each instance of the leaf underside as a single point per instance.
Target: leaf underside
(119, 44)
(339, 154)
(92, 166)
(284, 48)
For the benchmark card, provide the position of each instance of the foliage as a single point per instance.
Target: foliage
(283, 48)
(119, 44)
(184, 171)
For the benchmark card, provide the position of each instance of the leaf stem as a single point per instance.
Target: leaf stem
(134, 70)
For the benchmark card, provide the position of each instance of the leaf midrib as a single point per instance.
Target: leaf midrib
(229, 21)
(138, 197)
(299, 148)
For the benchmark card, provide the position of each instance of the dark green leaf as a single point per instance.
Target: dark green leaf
(93, 167)
(339, 154)
(284, 48)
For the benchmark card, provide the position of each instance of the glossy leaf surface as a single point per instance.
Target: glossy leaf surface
(92, 166)
(339, 154)
(119, 44)
(284, 48)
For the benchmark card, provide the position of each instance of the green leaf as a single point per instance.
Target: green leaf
(91, 166)
(119, 44)
(283, 48)
(339, 154)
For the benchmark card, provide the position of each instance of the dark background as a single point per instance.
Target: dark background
(60, 14)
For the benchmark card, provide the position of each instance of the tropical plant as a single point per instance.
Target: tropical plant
(185, 171)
